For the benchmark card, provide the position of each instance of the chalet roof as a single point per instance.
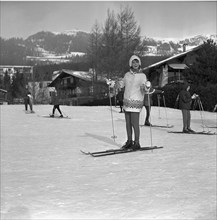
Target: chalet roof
(179, 66)
(14, 66)
(162, 62)
(4, 91)
(79, 74)
(86, 76)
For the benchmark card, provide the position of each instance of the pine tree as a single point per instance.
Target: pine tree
(18, 85)
(120, 38)
(109, 47)
(129, 36)
(204, 70)
(6, 85)
(94, 48)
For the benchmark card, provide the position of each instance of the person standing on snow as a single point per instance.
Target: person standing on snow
(56, 104)
(148, 102)
(185, 100)
(134, 83)
(28, 100)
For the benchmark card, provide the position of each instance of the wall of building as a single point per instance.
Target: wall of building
(76, 91)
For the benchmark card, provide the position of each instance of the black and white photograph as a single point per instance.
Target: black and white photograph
(108, 110)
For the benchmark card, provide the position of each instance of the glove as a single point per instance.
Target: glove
(148, 84)
(194, 96)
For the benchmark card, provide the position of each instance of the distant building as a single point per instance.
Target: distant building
(171, 69)
(3, 97)
(78, 87)
(12, 69)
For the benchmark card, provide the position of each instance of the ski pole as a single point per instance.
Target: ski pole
(158, 101)
(113, 130)
(149, 106)
(201, 116)
(195, 104)
(201, 113)
(165, 110)
(216, 124)
(64, 114)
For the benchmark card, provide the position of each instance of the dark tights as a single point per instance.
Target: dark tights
(27, 102)
(58, 108)
(132, 124)
(121, 105)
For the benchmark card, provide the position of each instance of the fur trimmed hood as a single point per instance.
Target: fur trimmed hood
(134, 57)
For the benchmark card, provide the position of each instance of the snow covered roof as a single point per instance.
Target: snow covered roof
(171, 58)
(4, 91)
(86, 76)
(14, 66)
(79, 74)
(180, 66)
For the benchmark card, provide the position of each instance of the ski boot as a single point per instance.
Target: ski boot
(127, 145)
(136, 146)
(190, 130)
(147, 123)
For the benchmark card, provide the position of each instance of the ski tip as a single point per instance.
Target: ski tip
(196, 132)
(155, 147)
(83, 152)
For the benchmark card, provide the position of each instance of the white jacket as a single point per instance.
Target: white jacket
(133, 93)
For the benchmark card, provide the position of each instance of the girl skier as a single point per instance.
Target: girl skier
(134, 83)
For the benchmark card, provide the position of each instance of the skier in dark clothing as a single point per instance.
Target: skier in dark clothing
(56, 103)
(148, 102)
(120, 98)
(184, 103)
(28, 100)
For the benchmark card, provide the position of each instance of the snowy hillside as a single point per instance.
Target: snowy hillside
(172, 46)
(154, 46)
(58, 47)
(69, 32)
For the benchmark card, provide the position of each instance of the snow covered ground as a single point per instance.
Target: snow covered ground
(45, 176)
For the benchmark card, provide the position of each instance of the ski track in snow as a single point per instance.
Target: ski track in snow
(45, 176)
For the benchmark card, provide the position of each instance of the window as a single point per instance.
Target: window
(64, 82)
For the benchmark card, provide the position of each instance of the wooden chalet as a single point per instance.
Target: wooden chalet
(3, 97)
(170, 70)
(78, 87)
(12, 69)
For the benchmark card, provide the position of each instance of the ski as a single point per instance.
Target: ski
(29, 112)
(57, 117)
(118, 151)
(196, 132)
(158, 126)
(101, 152)
(209, 126)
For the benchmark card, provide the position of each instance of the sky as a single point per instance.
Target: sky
(158, 19)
